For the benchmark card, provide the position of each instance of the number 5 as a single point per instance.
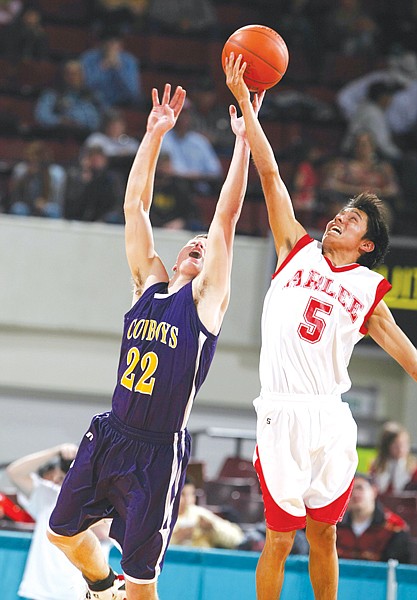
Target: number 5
(312, 330)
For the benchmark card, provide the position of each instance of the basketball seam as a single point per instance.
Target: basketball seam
(260, 57)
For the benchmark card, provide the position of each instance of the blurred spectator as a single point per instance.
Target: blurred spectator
(401, 70)
(111, 72)
(71, 107)
(48, 574)
(93, 191)
(186, 17)
(350, 29)
(368, 530)
(172, 205)
(126, 15)
(371, 116)
(364, 170)
(37, 184)
(306, 183)
(191, 153)
(113, 138)
(298, 29)
(198, 526)
(394, 466)
(9, 12)
(210, 117)
(402, 116)
(27, 39)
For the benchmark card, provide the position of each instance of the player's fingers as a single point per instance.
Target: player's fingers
(232, 110)
(178, 100)
(167, 93)
(155, 97)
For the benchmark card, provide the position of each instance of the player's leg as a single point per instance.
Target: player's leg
(280, 534)
(137, 591)
(270, 569)
(85, 552)
(323, 562)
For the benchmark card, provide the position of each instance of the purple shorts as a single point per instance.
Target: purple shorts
(132, 476)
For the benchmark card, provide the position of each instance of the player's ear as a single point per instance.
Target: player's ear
(366, 246)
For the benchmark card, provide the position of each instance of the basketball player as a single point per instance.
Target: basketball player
(131, 462)
(322, 300)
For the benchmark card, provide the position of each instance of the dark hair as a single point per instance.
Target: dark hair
(377, 230)
(65, 463)
(366, 476)
(382, 88)
(389, 433)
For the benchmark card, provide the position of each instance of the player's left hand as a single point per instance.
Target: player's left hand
(164, 114)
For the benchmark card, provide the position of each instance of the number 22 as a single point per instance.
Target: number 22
(149, 364)
(312, 330)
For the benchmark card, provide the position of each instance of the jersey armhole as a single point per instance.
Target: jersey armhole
(384, 286)
(302, 242)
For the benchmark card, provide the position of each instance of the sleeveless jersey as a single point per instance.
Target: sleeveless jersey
(165, 356)
(314, 313)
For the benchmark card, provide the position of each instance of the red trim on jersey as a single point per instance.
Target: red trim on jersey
(302, 242)
(336, 269)
(278, 519)
(334, 512)
(384, 286)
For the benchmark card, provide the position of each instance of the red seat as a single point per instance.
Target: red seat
(405, 505)
(223, 492)
(339, 68)
(64, 10)
(177, 52)
(68, 42)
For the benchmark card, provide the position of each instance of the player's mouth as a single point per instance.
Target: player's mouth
(195, 254)
(335, 229)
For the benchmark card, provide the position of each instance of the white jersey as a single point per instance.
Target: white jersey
(48, 574)
(314, 313)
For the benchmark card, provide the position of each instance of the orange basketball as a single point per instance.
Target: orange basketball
(265, 53)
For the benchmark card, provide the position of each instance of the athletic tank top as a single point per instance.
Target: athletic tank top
(314, 313)
(165, 356)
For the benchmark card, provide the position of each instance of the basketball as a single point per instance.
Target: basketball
(265, 53)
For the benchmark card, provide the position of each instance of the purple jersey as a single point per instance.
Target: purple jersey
(165, 355)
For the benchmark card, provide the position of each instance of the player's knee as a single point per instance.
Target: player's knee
(60, 541)
(53, 538)
(321, 535)
(279, 543)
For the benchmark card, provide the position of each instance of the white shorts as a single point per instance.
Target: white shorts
(306, 447)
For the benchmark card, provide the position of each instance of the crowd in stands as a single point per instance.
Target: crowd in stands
(226, 511)
(78, 75)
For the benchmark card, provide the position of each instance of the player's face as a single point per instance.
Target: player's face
(191, 258)
(346, 230)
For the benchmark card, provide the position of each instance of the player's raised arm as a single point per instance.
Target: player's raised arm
(285, 228)
(212, 286)
(385, 332)
(145, 265)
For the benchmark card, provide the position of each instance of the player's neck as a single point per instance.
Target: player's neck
(177, 282)
(341, 258)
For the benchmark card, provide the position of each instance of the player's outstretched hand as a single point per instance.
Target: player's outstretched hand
(235, 69)
(238, 123)
(164, 114)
